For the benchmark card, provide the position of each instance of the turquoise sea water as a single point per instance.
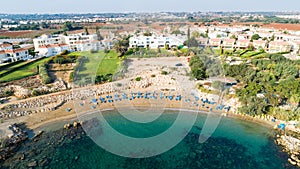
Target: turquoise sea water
(235, 144)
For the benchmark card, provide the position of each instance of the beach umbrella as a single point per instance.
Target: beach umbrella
(281, 126)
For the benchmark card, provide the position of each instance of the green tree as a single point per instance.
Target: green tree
(218, 85)
(86, 31)
(67, 26)
(195, 34)
(121, 46)
(188, 37)
(255, 37)
(147, 33)
(99, 34)
(197, 67)
(192, 42)
(176, 32)
(295, 99)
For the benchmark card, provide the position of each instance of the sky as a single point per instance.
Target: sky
(102, 6)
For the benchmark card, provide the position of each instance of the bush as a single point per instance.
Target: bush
(59, 59)
(43, 72)
(106, 50)
(138, 79)
(8, 93)
(103, 78)
(164, 72)
(65, 52)
(71, 77)
(63, 59)
(93, 51)
(36, 93)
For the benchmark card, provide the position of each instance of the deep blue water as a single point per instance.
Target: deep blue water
(235, 144)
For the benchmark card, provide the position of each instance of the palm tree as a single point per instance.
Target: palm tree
(121, 46)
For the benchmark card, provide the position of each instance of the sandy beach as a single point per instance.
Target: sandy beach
(37, 111)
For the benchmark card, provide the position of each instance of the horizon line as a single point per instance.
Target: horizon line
(153, 12)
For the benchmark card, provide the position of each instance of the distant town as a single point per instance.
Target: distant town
(26, 37)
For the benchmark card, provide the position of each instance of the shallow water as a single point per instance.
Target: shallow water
(235, 144)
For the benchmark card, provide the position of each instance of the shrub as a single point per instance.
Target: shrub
(65, 52)
(93, 51)
(8, 93)
(43, 72)
(138, 79)
(36, 93)
(164, 72)
(119, 84)
(103, 78)
(106, 50)
(71, 77)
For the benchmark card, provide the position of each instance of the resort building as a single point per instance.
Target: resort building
(243, 36)
(217, 34)
(154, 42)
(242, 44)
(279, 46)
(47, 40)
(50, 45)
(202, 42)
(107, 43)
(228, 43)
(52, 50)
(295, 47)
(259, 44)
(215, 42)
(6, 46)
(13, 55)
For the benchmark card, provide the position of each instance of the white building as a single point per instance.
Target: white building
(47, 40)
(295, 47)
(6, 46)
(154, 42)
(52, 50)
(52, 45)
(279, 46)
(13, 55)
(82, 42)
(259, 44)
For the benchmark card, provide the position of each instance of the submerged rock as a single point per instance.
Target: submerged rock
(44, 162)
(22, 157)
(32, 164)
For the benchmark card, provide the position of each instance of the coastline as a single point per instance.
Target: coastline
(63, 119)
(74, 117)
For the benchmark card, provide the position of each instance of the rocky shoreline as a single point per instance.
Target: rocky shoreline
(13, 141)
(291, 145)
